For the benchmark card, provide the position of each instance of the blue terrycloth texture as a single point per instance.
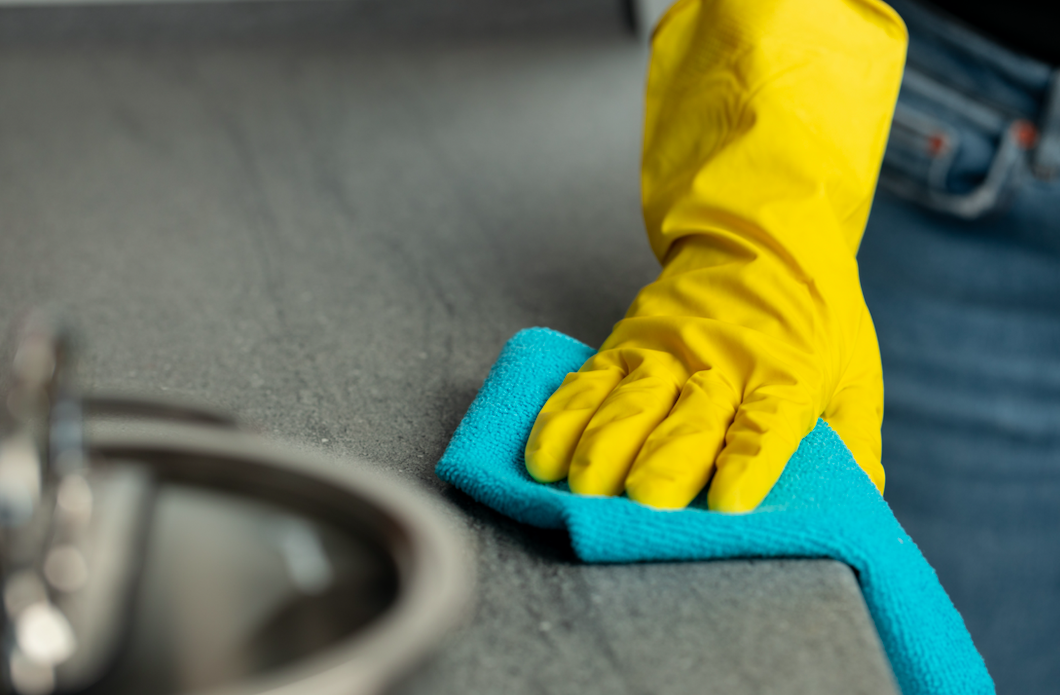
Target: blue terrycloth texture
(823, 506)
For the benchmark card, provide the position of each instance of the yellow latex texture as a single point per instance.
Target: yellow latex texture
(766, 122)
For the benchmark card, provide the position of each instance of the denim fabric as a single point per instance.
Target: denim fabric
(974, 121)
(967, 309)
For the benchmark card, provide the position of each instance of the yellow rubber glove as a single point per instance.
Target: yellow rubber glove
(765, 128)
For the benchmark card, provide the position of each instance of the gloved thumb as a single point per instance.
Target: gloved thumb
(856, 418)
(856, 409)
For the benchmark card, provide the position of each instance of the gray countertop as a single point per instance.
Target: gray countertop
(332, 234)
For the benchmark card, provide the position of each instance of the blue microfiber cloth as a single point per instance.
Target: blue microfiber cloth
(823, 506)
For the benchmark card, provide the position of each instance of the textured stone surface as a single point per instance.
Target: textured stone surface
(333, 235)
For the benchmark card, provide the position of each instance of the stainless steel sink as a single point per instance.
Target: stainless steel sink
(169, 551)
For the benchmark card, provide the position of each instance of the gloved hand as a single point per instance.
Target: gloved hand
(765, 128)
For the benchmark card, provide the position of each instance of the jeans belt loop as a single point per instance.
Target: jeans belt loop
(1045, 162)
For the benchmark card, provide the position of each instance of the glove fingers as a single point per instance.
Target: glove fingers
(767, 429)
(618, 430)
(563, 418)
(677, 460)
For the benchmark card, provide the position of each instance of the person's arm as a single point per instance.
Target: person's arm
(765, 127)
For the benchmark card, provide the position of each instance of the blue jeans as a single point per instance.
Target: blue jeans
(960, 266)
